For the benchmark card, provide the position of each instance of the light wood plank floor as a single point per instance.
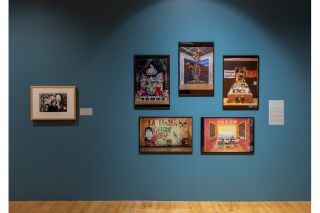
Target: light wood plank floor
(157, 207)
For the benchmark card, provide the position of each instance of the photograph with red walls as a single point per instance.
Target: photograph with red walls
(227, 135)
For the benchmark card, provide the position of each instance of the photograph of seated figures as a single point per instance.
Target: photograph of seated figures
(240, 82)
(165, 134)
(227, 135)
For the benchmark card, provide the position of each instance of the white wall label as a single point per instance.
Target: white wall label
(276, 112)
(86, 111)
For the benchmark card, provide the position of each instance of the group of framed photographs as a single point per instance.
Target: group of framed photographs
(196, 77)
(218, 135)
(152, 91)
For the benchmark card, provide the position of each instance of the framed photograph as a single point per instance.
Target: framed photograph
(151, 81)
(165, 134)
(240, 82)
(53, 102)
(227, 135)
(196, 70)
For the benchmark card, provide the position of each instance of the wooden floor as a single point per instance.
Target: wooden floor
(157, 207)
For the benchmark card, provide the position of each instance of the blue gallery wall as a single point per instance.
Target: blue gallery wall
(91, 44)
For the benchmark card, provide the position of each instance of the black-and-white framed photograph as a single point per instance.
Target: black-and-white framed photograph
(53, 102)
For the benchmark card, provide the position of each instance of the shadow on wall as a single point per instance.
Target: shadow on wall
(274, 14)
(106, 14)
(287, 22)
(111, 13)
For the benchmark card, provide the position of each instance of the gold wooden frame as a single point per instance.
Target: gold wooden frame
(66, 87)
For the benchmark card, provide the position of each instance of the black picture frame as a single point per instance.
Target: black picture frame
(152, 103)
(237, 101)
(232, 142)
(194, 89)
(169, 149)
